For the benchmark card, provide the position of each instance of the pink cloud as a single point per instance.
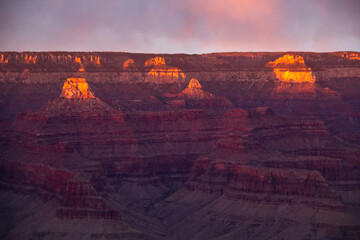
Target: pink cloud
(180, 26)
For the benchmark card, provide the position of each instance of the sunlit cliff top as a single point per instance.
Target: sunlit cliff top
(292, 68)
(76, 88)
(288, 61)
(156, 61)
(194, 83)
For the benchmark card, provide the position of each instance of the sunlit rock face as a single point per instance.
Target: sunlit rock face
(292, 68)
(351, 56)
(129, 65)
(194, 91)
(76, 88)
(162, 73)
(78, 60)
(95, 59)
(3, 60)
(195, 96)
(165, 75)
(156, 61)
(30, 59)
(194, 83)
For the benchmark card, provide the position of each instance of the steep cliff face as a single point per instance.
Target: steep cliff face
(76, 88)
(290, 68)
(161, 73)
(238, 182)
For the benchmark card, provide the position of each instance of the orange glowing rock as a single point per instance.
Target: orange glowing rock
(2, 60)
(289, 60)
(165, 75)
(95, 59)
(290, 68)
(194, 91)
(162, 73)
(296, 77)
(129, 65)
(194, 83)
(156, 61)
(351, 56)
(194, 95)
(30, 59)
(78, 60)
(76, 88)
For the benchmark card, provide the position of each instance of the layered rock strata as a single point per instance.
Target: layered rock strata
(161, 73)
(158, 153)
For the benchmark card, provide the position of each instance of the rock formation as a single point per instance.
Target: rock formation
(194, 91)
(351, 55)
(238, 181)
(156, 61)
(3, 60)
(161, 73)
(195, 96)
(129, 65)
(292, 68)
(78, 60)
(76, 88)
(30, 59)
(95, 60)
(296, 78)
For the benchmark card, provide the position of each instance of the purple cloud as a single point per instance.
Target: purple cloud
(191, 26)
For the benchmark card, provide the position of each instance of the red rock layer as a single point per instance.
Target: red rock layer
(51, 179)
(263, 185)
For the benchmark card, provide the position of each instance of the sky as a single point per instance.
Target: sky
(180, 26)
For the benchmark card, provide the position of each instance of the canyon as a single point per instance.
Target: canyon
(113, 145)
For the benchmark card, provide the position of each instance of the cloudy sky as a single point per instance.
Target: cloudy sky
(172, 26)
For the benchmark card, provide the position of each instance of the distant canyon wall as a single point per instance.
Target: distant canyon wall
(28, 80)
(46, 67)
